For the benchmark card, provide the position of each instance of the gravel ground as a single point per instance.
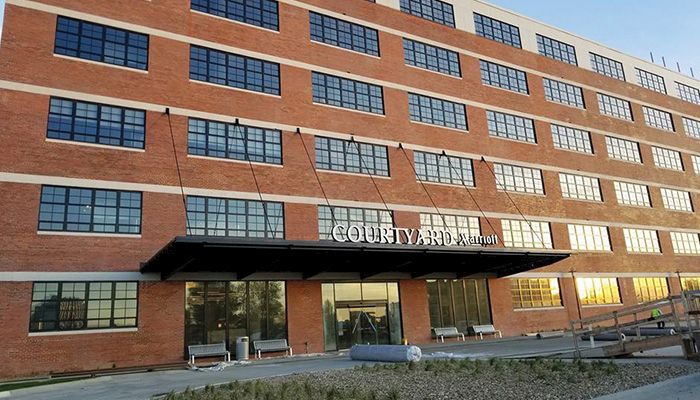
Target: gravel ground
(454, 379)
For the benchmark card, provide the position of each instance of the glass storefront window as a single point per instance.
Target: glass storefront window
(461, 303)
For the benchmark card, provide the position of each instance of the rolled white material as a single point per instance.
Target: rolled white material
(385, 352)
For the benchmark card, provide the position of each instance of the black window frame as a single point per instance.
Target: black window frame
(320, 89)
(436, 112)
(206, 7)
(607, 66)
(363, 167)
(503, 72)
(563, 93)
(431, 58)
(483, 23)
(465, 165)
(269, 232)
(497, 119)
(417, 8)
(331, 28)
(555, 49)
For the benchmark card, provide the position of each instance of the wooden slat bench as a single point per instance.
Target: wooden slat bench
(447, 332)
(480, 330)
(208, 350)
(263, 346)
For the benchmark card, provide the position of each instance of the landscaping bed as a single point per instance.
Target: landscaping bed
(452, 379)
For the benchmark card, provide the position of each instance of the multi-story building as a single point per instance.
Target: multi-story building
(330, 172)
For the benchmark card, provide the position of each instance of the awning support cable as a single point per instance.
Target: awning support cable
(179, 174)
(464, 184)
(444, 222)
(313, 168)
(362, 166)
(544, 245)
(273, 234)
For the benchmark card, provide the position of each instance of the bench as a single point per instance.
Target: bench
(447, 332)
(262, 346)
(485, 329)
(208, 350)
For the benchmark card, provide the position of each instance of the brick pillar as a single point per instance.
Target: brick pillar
(304, 316)
(414, 310)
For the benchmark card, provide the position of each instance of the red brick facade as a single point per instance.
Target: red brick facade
(30, 74)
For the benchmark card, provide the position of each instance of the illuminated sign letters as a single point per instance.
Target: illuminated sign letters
(409, 236)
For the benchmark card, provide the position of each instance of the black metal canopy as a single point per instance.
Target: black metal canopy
(311, 258)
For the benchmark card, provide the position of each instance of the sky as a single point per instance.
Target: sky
(667, 28)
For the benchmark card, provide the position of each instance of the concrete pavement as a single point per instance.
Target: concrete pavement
(682, 388)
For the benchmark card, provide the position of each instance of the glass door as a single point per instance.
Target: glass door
(364, 324)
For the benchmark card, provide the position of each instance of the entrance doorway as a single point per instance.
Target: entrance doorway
(362, 324)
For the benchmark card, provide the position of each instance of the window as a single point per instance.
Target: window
(621, 149)
(688, 93)
(499, 31)
(518, 179)
(685, 243)
(589, 238)
(535, 293)
(632, 194)
(347, 35)
(68, 306)
(649, 289)
(677, 200)
(347, 93)
(563, 93)
(503, 77)
(556, 50)
(658, 119)
(218, 311)
(89, 210)
(607, 66)
(351, 156)
(211, 216)
(650, 81)
(580, 187)
(440, 168)
(432, 58)
(96, 123)
(432, 10)
(691, 127)
(593, 291)
(666, 158)
(238, 142)
(328, 218)
(261, 13)
(571, 139)
(641, 240)
(458, 303)
(101, 43)
(526, 234)
(614, 107)
(232, 70)
(511, 126)
(696, 164)
(690, 284)
(456, 224)
(434, 111)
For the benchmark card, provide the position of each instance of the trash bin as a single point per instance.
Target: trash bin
(242, 348)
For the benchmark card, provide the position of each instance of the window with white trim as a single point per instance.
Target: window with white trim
(556, 49)
(563, 93)
(328, 218)
(685, 242)
(594, 291)
(514, 178)
(658, 119)
(696, 163)
(456, 224)
(431, 167)
(589, 237)
(632, 194)
(667, 158)
(572, 139)
(691, 127)
(641, 240)
(580, 187)
(621, 149)
(510, 126)
(648, 289)
(607, 66)
(535, 292)
(650, 81)
(614, 107)
(677, 200)
(526, 234)
(688, 93)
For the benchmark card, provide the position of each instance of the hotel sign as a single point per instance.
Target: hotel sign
(409, 236)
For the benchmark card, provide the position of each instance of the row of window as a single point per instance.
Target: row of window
(545, 292)
(218, 67)
(69, 209)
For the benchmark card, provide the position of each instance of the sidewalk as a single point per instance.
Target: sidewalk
(682, 388)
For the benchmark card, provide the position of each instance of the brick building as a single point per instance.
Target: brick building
(181, 172)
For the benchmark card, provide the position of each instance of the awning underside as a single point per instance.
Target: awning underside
(244, 257)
